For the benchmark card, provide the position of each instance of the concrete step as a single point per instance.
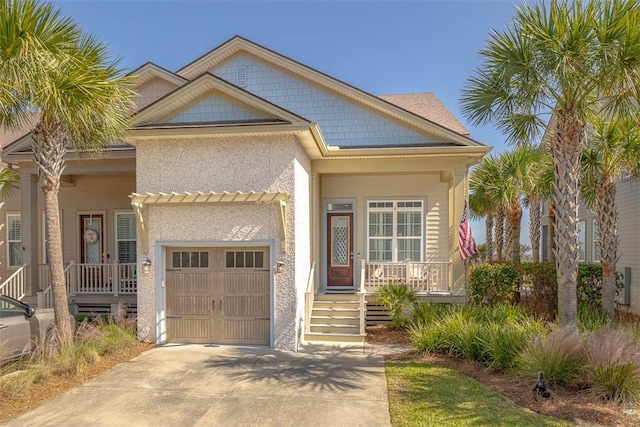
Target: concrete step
(339, 305)
(336, 297)
(335, 328)
(333, 337)
(339, 319)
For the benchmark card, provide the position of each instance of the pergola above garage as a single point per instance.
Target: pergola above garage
(141, 202)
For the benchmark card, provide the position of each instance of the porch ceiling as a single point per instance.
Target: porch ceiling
(140, 203)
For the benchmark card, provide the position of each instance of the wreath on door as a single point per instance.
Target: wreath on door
(90, 236)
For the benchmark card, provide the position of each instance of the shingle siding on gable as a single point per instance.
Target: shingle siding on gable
(342, 123)
(213, 109)
(152, 91)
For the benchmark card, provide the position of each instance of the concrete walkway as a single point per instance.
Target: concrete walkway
(201, 385)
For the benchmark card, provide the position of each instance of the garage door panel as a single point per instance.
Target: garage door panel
(194, 330)
(189, 305)
(190, 282)
(240, 306)
(246, 283)
(249, 331)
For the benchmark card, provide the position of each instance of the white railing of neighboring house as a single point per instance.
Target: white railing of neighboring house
(422, 277)
(113, 279)
(362, 292)
(309, 297)
(15, 285)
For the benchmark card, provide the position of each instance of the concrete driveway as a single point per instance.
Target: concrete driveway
(201, 385)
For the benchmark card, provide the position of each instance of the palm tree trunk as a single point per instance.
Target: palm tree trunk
(551, 232)
(515, 219)
(565, 151)
(49, 150)
(508, 239)
(499, 235)
(488, 230)
(534, 229)
(607, 218)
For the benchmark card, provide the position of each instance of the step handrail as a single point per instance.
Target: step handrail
(309, 297)
(44, 296)
(15, 286)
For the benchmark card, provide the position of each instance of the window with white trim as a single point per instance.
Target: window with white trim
(126, 235)
(14, 240)
(595, 248)
(581, 242)
(395, 230)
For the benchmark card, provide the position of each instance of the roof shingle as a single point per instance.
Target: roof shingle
(427, 105)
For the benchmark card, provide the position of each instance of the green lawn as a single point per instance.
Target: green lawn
(421, 394)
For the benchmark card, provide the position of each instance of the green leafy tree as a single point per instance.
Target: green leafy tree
(611, 150)
(569, 60)
(47, 64)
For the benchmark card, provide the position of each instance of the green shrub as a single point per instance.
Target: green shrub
(462, 332)
(560, 355)
(493, 283)
(503, 342)
(429, 339)
(613, 365)
(399, 300)
(426, 313)
(591, 317)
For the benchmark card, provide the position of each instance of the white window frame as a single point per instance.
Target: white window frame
(9, 242)
(595, 242)
(117, 240)
(395, 209)
(582, 247)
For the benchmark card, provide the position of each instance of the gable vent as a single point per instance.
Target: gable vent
(241, 77)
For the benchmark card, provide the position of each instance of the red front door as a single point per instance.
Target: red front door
(340, 249)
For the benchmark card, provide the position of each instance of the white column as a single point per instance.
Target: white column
(29, 223)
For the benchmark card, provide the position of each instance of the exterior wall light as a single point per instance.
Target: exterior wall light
(279, 266)
(146, 264)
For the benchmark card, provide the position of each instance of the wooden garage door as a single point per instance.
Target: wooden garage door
(218, 295)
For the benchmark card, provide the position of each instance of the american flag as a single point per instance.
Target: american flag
(465, 236)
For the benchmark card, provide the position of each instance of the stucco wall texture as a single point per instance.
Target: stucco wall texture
(249, 163)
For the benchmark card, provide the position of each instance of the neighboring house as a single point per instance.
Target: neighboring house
(628, 266)
(268, 197)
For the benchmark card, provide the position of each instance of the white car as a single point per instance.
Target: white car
(23, 327)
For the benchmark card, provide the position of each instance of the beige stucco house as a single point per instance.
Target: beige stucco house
(255, 201)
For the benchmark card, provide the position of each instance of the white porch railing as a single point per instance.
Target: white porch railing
(112, 279)
(309, 297)
(15, 286)
(422, 277)
(362, 293)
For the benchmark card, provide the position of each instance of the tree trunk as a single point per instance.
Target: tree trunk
(565, 151)
(551, 232)
(534, 229)
(48, 151)
(508, 239)
(489, 237)
(515, 220)
(607, 220)
(499, 235)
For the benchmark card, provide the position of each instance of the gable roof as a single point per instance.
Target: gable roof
(238, 45)
(149, 71)
(427, 105)
(176, 101)
(9, 135)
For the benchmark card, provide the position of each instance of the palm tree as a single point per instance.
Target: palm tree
(8, 181)
(612, 149)
(541, 191)
(480, 207)
(48, 64)
(570, 59)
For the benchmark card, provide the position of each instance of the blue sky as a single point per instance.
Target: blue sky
(381, 47)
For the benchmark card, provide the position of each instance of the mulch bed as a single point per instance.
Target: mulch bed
(580, 408)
